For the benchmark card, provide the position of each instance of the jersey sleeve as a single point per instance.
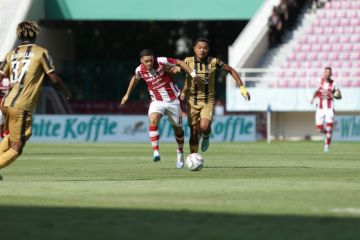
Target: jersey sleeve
(336, 87)
(219, 64)
(167, 61)
(47, 62)
(137, 73)
(5, 67)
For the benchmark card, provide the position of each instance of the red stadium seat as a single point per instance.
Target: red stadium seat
(305, 64)
(355, 39)
(355, 5)
(326, 47)
(336, 47)
(344, 56)
(312, 56)
(335, 22)
(356, 64)
(345, 5)
(356, 47)
(336, 64)
(316, 47)
(355, 22)
(352, 14)
(305, 47)
(333, 56)
(301, 56)
(346, 64)
(355, 56)
(341, 14)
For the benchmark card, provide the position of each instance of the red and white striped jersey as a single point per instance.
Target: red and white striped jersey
(160, 84)
(323, 90)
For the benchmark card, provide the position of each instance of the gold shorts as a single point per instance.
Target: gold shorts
(199, 111)
(18, 122)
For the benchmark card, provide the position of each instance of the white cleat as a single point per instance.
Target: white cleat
(326, 148)
(156, 156)
(179, 159)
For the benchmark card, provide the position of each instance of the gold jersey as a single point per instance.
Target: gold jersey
(202, 91)
(25, 66)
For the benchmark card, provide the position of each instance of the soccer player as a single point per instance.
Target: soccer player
(325, 105)
(164, 95)
(200, 95)
(25, 66)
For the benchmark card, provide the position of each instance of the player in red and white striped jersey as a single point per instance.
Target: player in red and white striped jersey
(325, 105)
(4, 89)
(164, 95)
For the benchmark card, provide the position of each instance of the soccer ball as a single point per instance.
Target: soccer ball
(194, 162)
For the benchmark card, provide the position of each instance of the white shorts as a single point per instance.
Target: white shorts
(171, 109)
(324, 115)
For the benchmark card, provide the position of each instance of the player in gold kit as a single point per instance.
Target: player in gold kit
(25, 66)
(200, 95)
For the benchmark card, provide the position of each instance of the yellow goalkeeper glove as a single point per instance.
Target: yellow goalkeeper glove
(245, 92)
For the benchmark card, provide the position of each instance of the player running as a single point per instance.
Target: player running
(25, 66)
(200, 95)
(164, 98)
(325, 105)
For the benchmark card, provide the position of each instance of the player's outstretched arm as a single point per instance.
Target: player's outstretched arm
(59, 84)
(133, 82)
(237, 79)
(188, 70)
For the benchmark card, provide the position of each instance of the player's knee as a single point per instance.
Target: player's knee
(329, 127)
(18, 147)
(178, 130)
(194, 132)
(320, 128)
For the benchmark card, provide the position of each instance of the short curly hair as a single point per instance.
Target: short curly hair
(27, 31)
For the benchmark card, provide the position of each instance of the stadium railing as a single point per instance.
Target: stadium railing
(296, 77)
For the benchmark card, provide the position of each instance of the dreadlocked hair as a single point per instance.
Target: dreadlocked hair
(27, 31)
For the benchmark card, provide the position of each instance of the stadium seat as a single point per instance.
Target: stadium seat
(333, 39)
(305, 64)
(341, 14)
(355, 56)
(316, 47)
(326, 47)
(356, 64)
(301, 56)
(352, 14)
(346, 64)
(355, 5)
(336, 64)
(347, 47)
(333, 56)
(344, 56)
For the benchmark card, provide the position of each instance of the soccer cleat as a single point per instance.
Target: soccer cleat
(205, 144)
(326, 148)
(156, 157)
(179, 159)
(1, 178)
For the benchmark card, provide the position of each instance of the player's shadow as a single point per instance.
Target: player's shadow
(37, 223)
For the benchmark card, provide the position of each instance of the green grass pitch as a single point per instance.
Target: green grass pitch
(285, 190)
